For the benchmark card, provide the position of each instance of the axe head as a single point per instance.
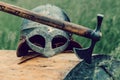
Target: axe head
(86, 53)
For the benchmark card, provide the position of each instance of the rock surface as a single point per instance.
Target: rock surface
(102, 67)
(39, 68)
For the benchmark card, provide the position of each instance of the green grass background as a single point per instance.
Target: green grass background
(81, 12)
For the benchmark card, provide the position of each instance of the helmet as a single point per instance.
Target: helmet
(41, 38)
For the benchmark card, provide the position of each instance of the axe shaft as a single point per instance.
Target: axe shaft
(63, 25)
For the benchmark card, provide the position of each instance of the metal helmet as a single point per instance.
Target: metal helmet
(44, 39)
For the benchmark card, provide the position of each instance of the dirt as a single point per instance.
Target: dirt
(39, 68)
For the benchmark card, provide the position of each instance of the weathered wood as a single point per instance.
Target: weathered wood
(39, 68)
(67, 26)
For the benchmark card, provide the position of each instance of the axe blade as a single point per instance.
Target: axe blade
(84, 54)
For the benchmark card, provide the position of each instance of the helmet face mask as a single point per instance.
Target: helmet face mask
(44, 39)
(47, 43)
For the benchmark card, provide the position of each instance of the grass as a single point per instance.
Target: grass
(81, 12)
(116, 52)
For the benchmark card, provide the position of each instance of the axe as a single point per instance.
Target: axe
(94, 35)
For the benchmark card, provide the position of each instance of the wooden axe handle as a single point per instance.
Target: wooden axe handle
(63, 25)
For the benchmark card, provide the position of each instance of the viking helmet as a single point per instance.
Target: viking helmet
(41, 38)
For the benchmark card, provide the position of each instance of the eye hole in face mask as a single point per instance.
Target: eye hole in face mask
(58, 41)
(37, 40)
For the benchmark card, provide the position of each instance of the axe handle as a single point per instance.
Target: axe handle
(63, 25)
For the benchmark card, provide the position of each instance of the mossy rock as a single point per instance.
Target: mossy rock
(103, 67)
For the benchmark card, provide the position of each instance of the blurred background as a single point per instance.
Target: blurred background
(81, 12)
